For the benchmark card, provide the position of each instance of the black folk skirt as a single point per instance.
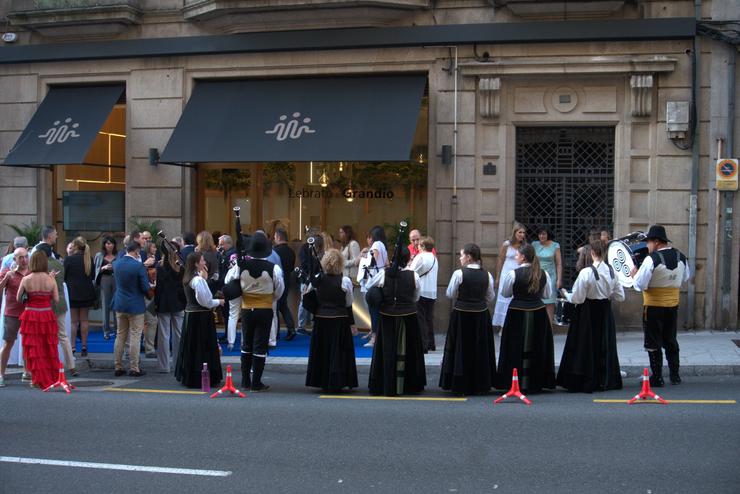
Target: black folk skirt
(590, 361)
(469, 361)
(398, 364)
(198, 345)
(331, 357)
(527, 345)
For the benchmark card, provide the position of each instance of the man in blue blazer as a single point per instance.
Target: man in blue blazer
(132, 285)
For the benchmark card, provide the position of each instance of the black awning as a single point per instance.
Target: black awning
(322, 119)
(64, 126)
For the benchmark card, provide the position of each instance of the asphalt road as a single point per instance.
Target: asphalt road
(292, 440)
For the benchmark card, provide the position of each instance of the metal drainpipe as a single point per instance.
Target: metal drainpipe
(454, 166)
(693, 198)
(728, 198)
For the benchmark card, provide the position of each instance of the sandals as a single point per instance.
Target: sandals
(83, 353)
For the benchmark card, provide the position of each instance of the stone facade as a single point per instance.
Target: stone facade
(621, 84)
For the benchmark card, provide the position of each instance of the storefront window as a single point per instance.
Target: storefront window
(326, 195)
(104, 168)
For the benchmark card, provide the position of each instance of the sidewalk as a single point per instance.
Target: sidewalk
(703, 353)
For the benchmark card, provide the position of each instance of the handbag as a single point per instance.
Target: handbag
(311, 301)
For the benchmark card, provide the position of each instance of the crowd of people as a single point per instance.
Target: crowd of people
(165, 295)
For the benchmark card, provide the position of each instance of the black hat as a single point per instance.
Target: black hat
(258, 246)
(657, 232)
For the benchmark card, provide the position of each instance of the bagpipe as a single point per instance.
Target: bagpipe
(312, 276)
(374, 296)
(169, 249)
(233, 289)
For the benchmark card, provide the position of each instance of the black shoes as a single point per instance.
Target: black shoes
(83, 353)
(258, 388)
(675, 378)
(119, 372)
(291, 334)
(656, 382)
(137, 373)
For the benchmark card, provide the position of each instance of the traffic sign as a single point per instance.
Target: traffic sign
(726, 174)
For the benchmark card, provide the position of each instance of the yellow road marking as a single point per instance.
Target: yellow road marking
(163, 391)
(393, 398)
(690, 402)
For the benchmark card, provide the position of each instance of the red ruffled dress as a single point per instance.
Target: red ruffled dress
(40, 339)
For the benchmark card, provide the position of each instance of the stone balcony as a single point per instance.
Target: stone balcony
(75, 19)
(231, 16)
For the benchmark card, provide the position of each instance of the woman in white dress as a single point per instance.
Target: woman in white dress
(507, 262)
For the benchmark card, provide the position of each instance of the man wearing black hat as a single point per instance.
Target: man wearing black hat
(262, 284)
(660, 278)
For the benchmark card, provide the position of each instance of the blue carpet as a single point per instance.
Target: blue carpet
(298, 347)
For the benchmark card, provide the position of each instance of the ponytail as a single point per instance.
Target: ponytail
(535, 271)
(87, 260)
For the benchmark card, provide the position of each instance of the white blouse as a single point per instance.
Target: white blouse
(203, 293)
(586, 286)
(456, 281)
(507, 284)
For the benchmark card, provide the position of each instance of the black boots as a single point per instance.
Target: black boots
(656, 366)
(246, 368)
(673, 365)
(259, 367)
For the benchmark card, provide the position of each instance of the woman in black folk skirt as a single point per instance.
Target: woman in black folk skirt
(469, 361)
(398, 365)
(590, 361)
(526, 338)
(198, 344)
(331, 357)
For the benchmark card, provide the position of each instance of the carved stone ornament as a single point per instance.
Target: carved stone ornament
(641, 90)
(489, 92)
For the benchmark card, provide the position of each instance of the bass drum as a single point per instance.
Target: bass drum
(623, 256)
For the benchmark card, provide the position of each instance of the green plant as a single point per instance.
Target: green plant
(32, 232)
(142, 225)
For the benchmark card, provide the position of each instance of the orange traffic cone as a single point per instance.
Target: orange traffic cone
(229, 386)
(646, 392)
(61, 382)
(514, 391)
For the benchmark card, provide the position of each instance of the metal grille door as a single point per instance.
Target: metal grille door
(565, 182)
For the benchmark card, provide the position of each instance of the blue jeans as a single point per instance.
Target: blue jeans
(304, 317)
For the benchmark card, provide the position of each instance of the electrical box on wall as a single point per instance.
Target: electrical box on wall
(677, 119)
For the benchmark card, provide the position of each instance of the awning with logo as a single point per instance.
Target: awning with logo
(64, 126)
(318, 119)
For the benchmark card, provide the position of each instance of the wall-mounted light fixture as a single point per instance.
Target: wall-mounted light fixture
(153, 156)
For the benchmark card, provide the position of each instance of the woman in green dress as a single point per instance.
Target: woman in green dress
(548, 252)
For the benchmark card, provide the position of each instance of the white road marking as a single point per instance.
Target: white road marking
(114, 466)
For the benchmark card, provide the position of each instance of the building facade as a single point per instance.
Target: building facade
(569, 115)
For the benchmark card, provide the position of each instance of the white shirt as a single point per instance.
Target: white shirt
(426, 266)
(645, 273)
(507, 285)
(456, 281)
(203, 293)
(586, 286)
(379, 280)
(382, 254)
(347, 288)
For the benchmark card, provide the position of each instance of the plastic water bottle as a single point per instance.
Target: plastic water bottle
(205, 379)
